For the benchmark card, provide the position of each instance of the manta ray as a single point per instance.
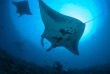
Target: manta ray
(22, 8)
(60, 30)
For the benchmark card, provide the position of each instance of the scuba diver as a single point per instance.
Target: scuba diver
(59, 68)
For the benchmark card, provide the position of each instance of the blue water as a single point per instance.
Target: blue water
(94, 46)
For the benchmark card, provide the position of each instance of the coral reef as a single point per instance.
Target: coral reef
(13, 65)
(99, 69)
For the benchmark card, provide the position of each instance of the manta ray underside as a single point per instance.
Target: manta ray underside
(60, 30)
(22, 8)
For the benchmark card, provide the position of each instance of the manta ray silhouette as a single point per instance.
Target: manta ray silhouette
(22, 8)
(60, 30)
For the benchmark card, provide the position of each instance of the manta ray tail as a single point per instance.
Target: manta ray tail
(94, 18)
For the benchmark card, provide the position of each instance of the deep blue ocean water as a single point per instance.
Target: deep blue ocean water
(20, 36)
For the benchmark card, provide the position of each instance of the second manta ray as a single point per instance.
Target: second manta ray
(22, 8)
(60, 30)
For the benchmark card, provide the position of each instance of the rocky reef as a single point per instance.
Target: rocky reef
(99, 69)
(13, 65)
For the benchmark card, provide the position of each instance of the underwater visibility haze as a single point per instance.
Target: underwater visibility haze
(28, 29)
